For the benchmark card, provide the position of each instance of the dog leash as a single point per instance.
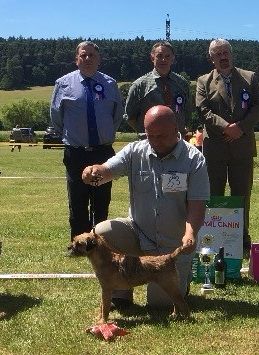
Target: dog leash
(95, 181)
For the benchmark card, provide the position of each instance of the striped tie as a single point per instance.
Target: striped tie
(167, 91)
(228, 86)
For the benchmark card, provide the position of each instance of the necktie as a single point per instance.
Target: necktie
(228, 86)
(93, 137)
(167, 91)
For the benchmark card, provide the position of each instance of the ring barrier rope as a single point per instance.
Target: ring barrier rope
(46, 276)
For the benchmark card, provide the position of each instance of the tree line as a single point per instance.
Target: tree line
(31, 62)
(26, 62)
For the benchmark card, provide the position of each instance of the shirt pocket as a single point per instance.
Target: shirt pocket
(142, 182)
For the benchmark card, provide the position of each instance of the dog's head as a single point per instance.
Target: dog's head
(84, 243)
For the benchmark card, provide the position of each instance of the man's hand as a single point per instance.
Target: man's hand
(96, 175)
(232, 132)
(188, 243)
(195, 218)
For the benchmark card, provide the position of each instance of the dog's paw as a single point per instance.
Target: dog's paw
(178, 316)
(174, 316)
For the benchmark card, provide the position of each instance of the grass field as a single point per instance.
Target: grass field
(35, 93)
(49, 316)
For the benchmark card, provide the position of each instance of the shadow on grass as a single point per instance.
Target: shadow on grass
(137, 314)
(229, 309)
(10, 305)
(243, 281)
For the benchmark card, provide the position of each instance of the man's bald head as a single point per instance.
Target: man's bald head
(161, 129)
(159, 115)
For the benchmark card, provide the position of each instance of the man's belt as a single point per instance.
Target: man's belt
(91, 149)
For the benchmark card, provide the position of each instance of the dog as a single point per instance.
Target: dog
(117, 271)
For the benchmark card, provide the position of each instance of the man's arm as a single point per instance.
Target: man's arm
(188, 105)
(132, 107)
(195, 218)
(56, 114)
(245, 126)
(252, 116)
(132, 122)
(118, 109)
(96, 175)
(232, 132)
(216, 122)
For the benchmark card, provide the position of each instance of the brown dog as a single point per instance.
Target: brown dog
(116, 271)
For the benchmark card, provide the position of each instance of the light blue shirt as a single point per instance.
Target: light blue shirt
(159, 215)
(69, 108)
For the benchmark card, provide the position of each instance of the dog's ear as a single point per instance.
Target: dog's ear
(90, 243)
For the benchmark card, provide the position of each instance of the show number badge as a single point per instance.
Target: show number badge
(178, 103)
(174, 182)
(244, 98)
(99, 91)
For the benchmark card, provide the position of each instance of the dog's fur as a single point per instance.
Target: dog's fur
(116, 271)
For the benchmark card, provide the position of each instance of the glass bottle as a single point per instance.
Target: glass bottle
(220, 269)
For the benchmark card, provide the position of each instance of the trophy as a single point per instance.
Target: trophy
(207, 256)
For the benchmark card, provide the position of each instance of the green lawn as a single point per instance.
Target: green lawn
(49, 316)
(35, 93)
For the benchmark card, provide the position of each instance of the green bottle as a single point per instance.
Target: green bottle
(219, 265)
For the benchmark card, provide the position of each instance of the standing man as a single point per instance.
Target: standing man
(159, 87)
(86, 109)
(228, 102)
(168, 185)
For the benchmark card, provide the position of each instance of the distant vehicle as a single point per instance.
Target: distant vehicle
(52, 139)
(23, 135)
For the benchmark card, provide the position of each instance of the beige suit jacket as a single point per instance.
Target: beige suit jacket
(217, 110)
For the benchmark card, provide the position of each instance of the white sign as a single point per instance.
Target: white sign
(223, 227)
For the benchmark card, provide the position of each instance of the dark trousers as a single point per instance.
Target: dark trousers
(239, 174)
(82, 196)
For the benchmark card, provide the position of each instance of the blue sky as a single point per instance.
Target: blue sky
(127, 19)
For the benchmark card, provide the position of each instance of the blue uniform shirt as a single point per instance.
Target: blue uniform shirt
(69, 108)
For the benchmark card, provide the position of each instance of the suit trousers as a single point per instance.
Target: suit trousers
(81, 196)
(239, 174)
(122, 237)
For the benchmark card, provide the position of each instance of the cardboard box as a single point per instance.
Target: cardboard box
(223, 227)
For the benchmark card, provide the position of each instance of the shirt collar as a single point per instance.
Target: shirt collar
(217, 75)
(93, 77)
(156, 75)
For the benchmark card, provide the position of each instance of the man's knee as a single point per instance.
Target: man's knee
(115, 226)
(102, 228)
(120, 235)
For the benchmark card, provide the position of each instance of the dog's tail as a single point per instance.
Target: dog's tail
(177, 251)
(183, 249)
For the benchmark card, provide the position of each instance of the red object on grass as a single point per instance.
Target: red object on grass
(107, 331)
